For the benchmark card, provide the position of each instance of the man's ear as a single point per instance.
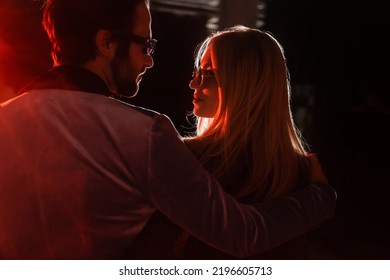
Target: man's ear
(105, 46)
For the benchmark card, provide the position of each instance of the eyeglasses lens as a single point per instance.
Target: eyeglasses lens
(150, 46)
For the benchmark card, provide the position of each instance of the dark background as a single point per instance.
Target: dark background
(338, 56)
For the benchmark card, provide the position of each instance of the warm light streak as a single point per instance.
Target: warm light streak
(24, 48)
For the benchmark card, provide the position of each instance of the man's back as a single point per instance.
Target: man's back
(71, 166)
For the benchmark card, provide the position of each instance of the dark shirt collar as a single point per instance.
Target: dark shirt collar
(69, 77)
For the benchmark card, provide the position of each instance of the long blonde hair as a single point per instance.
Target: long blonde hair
(253, 128)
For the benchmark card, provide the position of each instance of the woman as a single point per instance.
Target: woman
(245, 133)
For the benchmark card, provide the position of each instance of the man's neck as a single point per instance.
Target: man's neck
(103, 70)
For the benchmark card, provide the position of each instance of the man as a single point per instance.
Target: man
(82, 172)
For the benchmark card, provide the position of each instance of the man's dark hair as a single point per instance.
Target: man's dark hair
(72, 25)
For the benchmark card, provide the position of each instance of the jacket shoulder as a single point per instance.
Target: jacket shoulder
(144, 111)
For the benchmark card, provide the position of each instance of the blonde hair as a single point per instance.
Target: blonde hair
(252, 130)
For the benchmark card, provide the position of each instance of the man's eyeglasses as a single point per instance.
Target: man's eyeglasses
(148, 44)
(198, 75)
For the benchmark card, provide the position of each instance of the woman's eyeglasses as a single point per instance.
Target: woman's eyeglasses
(198, 75)
(148, 44)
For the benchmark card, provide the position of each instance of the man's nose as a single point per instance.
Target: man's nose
(149, 61)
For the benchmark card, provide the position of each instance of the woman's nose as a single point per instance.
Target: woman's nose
(193, 84)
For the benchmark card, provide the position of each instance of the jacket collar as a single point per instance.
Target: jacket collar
(69, 77)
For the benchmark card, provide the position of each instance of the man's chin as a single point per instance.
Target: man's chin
(129, 92)
(134, 91)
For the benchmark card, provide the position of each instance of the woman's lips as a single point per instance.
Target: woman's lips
(197, 99)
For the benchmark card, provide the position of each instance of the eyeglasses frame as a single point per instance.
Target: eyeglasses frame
(199, 74)
(149, 44)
